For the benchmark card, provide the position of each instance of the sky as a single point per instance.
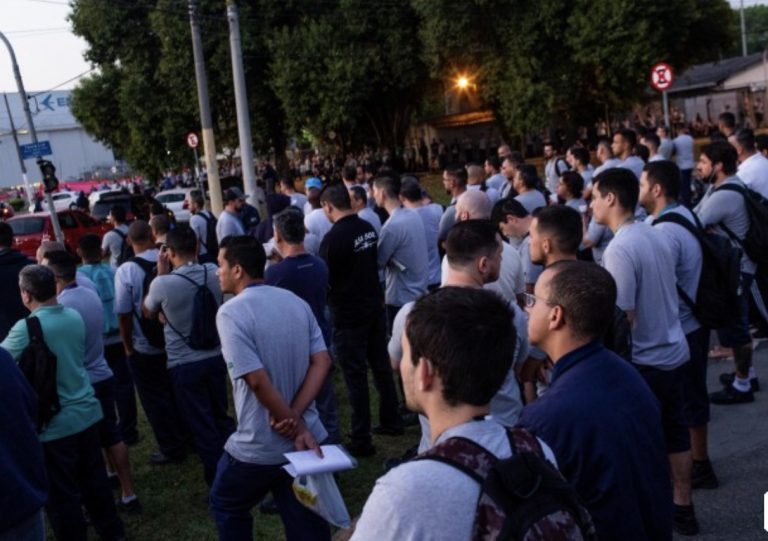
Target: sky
(49, 55)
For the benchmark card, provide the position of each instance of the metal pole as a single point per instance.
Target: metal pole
(27, 187)
(198, 180)
(212, 166)
(241, 102)
(23, 96)
(743, 31)
(665, 101)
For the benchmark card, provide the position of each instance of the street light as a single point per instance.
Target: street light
(462, 82)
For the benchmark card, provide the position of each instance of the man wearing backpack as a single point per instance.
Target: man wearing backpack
(76, 474)
(11, 263)
(598, 415)
(115, 243)
(146, 361)
(659, 195)
(188, 299)
(724, 211)
(458, 347)
(203, 223)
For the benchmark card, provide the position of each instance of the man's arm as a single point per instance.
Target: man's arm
(319, 366)
(125, 321)
(17, 340)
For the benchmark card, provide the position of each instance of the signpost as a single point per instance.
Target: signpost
(35, 150)
(662, 78)
(192, 142)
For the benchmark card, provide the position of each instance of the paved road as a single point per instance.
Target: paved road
(739, 453)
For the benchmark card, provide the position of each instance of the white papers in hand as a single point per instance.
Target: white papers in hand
(308, 463)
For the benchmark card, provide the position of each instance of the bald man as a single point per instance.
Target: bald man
(476, 182)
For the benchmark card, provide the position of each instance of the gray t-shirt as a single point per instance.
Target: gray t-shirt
(446, 221)
(425, 500)
(683, 145)
(666, 148)
(317, 223)
(531, 271)
(726, 207)
(511, 281)
(228, 224)
(578, 204)
(279, 340)
(175, 297)
(403, 255)
(688, 261)
(643, 268)
(599, 235)
(199, 225)
(496, 181)
(112, 243)
(129, 291)
(634, 164)
(430, 216)
(87, 303)
(531, 200)
(370, 216)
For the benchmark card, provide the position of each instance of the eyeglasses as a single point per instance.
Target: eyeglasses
(530, 300)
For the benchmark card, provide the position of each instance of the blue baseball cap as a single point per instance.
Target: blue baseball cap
(313, 182)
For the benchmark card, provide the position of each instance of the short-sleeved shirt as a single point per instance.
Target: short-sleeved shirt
(531, 271)
(754, 173)
(403, 255)
(88, 304)
(578, 204)
(643, 268)
(496, 181)
(666, 148)
(307, 277)
(634, 164)
(199, 224)
(599, 235)
(726, 207)
(318, 223)
(683, 145)
(447, 220)
(372, 218)
(129, 292)
(531, 200)
(430, 216)
(228, 225)
(511, 281)
(175, 297)
(64, 333)
(610, 163)
(298, 200)
(280, 341)
(686, 251)
(112, 243)
(103, 278)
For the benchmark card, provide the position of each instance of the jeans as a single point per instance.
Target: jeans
(77, 478)
(153, 384)
(325, 402)
(31, 529)
(355, 345)
(239, 486)
(125, 394)
(201, 392)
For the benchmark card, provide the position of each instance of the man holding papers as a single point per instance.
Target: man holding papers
(277, 361)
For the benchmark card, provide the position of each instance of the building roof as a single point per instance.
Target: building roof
(706, 76)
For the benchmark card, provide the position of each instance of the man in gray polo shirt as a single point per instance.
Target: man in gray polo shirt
(229, 221)
(198, 375)
(113, 241)
(402, 248)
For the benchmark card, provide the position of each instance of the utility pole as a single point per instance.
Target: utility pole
(743, 31)
(241, 103)
(27, 187)
(211, 165)
(25, 103)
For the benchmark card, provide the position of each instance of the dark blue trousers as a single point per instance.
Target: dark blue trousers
(239, 486)
(125, 394)
(77, 479)
(155, 389)
(201, 392)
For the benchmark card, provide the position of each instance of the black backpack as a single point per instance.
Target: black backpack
(151, 328)
(126, 252)
(618, 337)
(755, 243)
(522, 497)
(38, 364)
(717, 303)
(211, 242)
(203, 334)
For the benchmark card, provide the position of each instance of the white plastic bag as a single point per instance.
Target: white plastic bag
(320, 493)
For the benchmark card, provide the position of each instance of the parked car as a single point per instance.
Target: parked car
(30, 230)
(61, 201)
(6, 211)
(136, 206)
(177, 200)
(95, 196)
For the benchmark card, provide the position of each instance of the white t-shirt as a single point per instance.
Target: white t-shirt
(317, 223)
(129, 291)
(754, 173)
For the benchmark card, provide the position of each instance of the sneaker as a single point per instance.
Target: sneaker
(728, 377)
(158, 458)
(685, 522)
(703, 476)
(133, 506)
(730, 395)
(360, 449)
(384, 430)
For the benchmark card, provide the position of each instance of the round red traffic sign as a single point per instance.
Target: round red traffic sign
(192, 140)
(661, 76)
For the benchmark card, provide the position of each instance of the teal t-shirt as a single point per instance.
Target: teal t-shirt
(64, 333)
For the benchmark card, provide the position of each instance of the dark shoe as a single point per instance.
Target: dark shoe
(685, 522)
(383, 430)
(158, 458)
(133, 506)
(703, 476)
(268, 506)
(360, 449)
(728, 377)
(730, 395)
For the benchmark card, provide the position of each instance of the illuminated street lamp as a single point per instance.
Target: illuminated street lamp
(462, 83)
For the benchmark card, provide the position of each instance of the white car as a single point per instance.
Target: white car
(176, 200)
(61, 201)
(95, 196)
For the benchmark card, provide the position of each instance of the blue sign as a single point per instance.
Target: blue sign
(35, 150)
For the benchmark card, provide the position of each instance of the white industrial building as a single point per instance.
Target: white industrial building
(75, 153)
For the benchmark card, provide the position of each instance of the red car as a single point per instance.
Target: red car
(30, 230)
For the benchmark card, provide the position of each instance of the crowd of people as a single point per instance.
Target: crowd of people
(558, 318)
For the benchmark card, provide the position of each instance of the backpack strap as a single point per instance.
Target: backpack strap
(522, 441)
(34, 329)
(739, 188)
(190, 280)
(146, 267)
(463, 454)
(208, 223)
